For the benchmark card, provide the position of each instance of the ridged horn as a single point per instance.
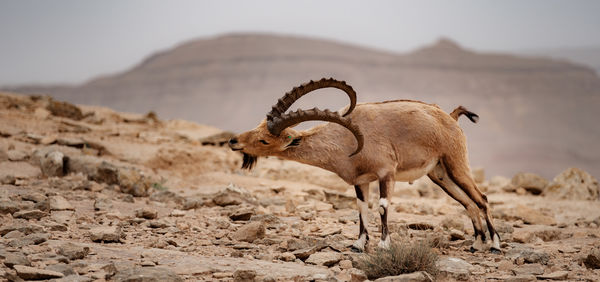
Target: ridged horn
(282, 122)
(284, 103)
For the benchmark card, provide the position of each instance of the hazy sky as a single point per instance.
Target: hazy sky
(73, 40)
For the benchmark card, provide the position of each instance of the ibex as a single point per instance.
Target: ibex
(388, 141)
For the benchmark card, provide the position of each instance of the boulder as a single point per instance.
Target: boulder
(531, 182)
(526, 269)
(12, 259)
(573, 184)
(244, 275)
(250, 232)
(17, 155)
(18, 170)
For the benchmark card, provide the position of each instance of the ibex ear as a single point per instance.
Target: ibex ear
(294, 141)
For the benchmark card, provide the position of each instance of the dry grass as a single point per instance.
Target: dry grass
(400, 258)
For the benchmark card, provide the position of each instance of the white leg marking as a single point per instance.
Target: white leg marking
(385, 244)
(360, 243)
(496, 243)
(383, 202)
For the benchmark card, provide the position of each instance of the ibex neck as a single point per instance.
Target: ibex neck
(318, 150)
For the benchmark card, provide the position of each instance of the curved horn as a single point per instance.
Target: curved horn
(282, 122)
(289, 98)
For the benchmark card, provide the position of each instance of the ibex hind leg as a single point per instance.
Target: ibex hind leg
(461, 175)
(440, 176)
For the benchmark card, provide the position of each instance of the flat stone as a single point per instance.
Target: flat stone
(146, 212)
(19, 170)
(526, 269)
(244, 275)
(30, 214)
(419, 276)
(106, 234)
(23, 227)
(250, 232)
(17, 155)
(324, 258)
(242, 214)
(31, 239)
(59, 203)
(454, 268)
(146, 274)
(557, 275)
(30, 273)
(528, 255)
(8, 207)
(12, 259)
(73, 251)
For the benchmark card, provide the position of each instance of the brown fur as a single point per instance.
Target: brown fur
(404, 140)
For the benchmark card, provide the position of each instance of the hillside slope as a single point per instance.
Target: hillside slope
(536, 114)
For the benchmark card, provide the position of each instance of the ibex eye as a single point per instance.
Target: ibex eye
(264, 142)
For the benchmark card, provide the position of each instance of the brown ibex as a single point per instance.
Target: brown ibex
(388, 141)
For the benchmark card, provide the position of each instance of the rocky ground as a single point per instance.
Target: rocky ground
(89, 194)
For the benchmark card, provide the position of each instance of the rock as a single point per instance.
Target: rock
(522, 236)
(30, 214)
(456, 235)
(8, 206)
(228, 198)
(177, 213)
(17, 155)
(34, 197)
(64, 109)
(419, 276)
(166, 196)
(133, 182)
(23, 227)
(30, 273)
(531, 216)
(528, 255)
(526, 269)
(519, 278)
(573, 184)
(531, 182)
(454, 268)
(146, 274)
(244, 275)
(102, 204)
(73, 251)
(324, 258)
(478, 175)
(453, 223)
(31, 239)
(243, 214)
(52, 164)
(357, 275)
(106, 234)
(548, 234)
(146, 212)
(345, 264)
(158, 223)
(250, 232)
(63, 268)
(58, 203)
(18, 170)
(593, 259)
(12, 259)
(557, 275)
(339, 200)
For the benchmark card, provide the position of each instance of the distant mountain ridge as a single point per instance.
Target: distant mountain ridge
(537, 114)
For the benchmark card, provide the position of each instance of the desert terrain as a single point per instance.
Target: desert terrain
(91, 194)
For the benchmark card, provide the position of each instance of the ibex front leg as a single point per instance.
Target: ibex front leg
(386, 186)
(362, 198)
